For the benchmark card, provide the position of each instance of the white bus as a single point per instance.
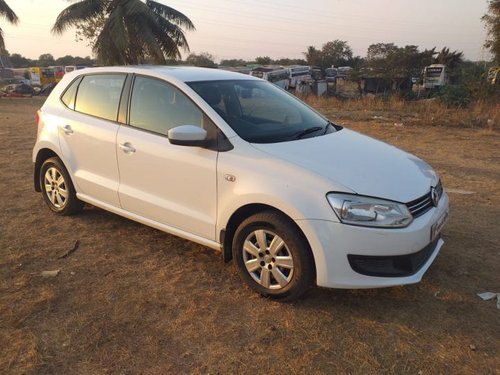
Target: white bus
(435, 75)
(298, 74)
(278, 76)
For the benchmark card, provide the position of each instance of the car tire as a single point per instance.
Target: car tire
(273, 257)
(57, 188)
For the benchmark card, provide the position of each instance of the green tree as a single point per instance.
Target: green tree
(203, 59)
(451, 59)
(7, 13)
(492, 23)
(313, 56)
(132, 31)
(65, 60)
(263, 60)
(336, 53)
(19, 61)
(233, 62)
(46, 59)
(389, 61)
(287, 61)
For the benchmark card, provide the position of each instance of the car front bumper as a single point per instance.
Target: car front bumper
(381, 257)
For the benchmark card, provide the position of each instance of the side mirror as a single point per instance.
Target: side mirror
(188, 135)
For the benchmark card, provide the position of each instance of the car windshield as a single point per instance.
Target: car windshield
(260, 112)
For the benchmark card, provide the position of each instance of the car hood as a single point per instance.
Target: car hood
(360, 163)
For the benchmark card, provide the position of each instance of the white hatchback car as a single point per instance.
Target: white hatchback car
(235, 163)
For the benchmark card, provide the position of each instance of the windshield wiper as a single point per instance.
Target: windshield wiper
(303, 133)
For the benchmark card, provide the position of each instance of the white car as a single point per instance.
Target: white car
(234, 163)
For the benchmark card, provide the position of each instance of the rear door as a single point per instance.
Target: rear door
(170, 184)
(87, 134)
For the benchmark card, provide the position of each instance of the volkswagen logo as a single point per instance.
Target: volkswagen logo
(434, 196)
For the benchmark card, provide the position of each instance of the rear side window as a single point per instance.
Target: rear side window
(99, 95)
(158, 106)
(69, 95)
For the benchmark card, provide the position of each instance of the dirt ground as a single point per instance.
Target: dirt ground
(134, 300)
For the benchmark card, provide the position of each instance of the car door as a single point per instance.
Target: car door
(87, 134)
(170, 184)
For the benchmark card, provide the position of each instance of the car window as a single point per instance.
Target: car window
(158, 106)
(260, 112)
(99, 95)
(69, 95)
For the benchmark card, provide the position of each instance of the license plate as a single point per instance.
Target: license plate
(438, 226)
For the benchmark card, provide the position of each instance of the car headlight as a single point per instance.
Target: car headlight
(370, 212)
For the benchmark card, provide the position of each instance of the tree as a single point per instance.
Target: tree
(233, 62)
(388, 60)
(263, 60)
(336, 53)
(19, 61)
(46, 59)
(7, 13)
(492, 24)
(313, 56)
(287, 61)
(204, 59)
(450, 59)
(131, 31)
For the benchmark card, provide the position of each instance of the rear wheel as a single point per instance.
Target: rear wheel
(273, 257)
(57, 189)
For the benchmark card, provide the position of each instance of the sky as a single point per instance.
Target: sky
(279, 28)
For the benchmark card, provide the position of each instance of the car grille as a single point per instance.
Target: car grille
(392, 266)
(421, 205)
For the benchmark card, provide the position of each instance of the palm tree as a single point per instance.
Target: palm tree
(9, 14)
(132, 30)
(448, 58)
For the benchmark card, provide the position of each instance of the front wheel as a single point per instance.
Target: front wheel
(273, 257)
(57, 189)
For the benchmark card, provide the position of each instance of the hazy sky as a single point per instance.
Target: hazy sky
(279, 28)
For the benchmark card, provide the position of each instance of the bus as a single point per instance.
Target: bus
(435, 76)
(298, 74)
(41, 76)
(278, 76)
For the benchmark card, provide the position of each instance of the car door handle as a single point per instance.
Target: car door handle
(127, 148)
(67, 129)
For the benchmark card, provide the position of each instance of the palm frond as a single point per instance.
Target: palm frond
(8, 13)
(81, 11)
(171, 14)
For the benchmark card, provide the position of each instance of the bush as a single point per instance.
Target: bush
(455, 95)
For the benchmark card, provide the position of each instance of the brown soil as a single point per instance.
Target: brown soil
(133, 300)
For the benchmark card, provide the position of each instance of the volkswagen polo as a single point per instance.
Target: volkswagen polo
(236, 164)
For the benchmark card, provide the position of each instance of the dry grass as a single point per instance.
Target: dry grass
(133, 300)
(480, 114)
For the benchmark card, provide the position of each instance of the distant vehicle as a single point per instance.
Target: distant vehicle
(71, 68)
(41, 76)
(331, 74)
(58, 72)
(297, 74)
(435, 76)
(343, 71)
(278, 76)
(317, 73)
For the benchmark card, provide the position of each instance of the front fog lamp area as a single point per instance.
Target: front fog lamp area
(370, 212)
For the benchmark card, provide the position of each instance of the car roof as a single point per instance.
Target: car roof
(181, 73)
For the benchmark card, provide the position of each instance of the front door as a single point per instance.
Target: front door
(172, 185)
